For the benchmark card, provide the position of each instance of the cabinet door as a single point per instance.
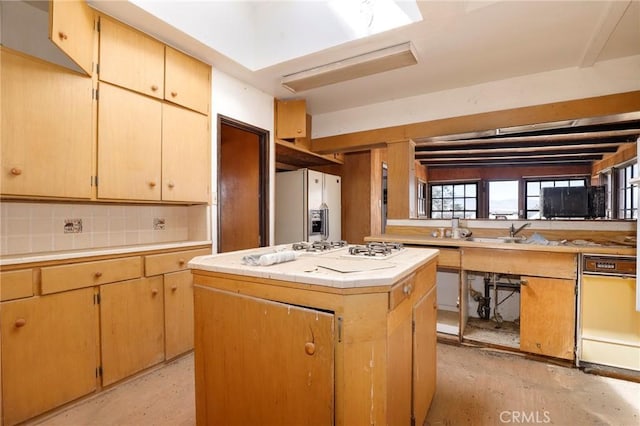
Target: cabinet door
(132, 325)
(178, 313)
(425, 313)
(186, 155)
(71, 28)
(291, 119)
(131, 59)
(129, 145)
(262, 362)
(547, 316)
(46, 129)
(49, 352)
(399, 365)
(187, 81)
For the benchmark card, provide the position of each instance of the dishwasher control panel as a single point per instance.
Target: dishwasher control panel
(609, 265)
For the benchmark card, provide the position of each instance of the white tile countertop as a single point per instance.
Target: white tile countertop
(336, 268)
(79, 254)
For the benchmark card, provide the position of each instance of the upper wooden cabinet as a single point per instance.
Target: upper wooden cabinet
(131, 59)
(46, 146)
(186, 149)
(187, 81)
(291, 119)
(71, 28)
(129, 145)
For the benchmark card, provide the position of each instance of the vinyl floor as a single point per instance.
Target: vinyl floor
(475, 386)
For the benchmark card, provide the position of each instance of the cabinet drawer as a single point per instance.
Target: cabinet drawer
(401, 291)
(87, 274)
(157, 264)
(449, 258)
(16, 284)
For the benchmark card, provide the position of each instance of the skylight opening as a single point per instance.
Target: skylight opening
(367, 17)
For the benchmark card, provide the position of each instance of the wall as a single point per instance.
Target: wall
(604, 78)
(241, 102)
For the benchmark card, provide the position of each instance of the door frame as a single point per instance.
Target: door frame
(263, 142)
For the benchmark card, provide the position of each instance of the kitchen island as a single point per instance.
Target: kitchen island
(328, 338)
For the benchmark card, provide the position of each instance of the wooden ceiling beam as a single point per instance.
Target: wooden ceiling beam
(557, 111)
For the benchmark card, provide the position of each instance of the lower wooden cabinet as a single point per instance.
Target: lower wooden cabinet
(49, 352)
(178, 313)
(547, 316)
(275, 352)
(276, 358)
(425, 315)
(132, 327)
(70, 328)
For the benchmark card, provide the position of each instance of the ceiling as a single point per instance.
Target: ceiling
(457, 44)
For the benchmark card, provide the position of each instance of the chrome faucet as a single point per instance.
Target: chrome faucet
(513, 231)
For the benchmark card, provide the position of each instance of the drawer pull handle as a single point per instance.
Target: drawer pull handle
(154, 87)
(174, 94)
(154, 291)
(407, 289)
(181, 262)
(20, 322)
(62, 35)
(310, 348)
(152, 184)
(174, 287)
(16, 171)
(97, 274)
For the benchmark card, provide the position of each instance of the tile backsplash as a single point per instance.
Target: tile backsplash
(27, 228)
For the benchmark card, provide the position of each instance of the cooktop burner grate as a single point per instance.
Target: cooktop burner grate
(375, 249)
(319, 246)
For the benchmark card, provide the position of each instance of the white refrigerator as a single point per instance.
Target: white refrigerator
(308, 206)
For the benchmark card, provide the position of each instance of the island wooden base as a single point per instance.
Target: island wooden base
(277, 352)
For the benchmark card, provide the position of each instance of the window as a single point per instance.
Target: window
(503, 199)
(422, 198)
(627, 197)
(534, 190)
(454, 200)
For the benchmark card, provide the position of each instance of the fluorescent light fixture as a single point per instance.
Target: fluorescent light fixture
(378, 61)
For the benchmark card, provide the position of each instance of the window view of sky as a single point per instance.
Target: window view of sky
(503, 199)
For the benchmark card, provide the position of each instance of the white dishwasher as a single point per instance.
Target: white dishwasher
(609, 331)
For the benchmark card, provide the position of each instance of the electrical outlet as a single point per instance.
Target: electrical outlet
(72, 226)
(158, 223)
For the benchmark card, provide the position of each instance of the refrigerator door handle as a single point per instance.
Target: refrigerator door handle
(325, 221)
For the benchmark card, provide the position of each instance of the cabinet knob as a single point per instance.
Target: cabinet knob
(407, 289)
(524, 282)
(152, 184)
(154, 88)
(174, 287)
(174, 94)
(20, 322)
(62, 35)
(171, 184)
(97, 274)
(181, 262)
(310, 348)
(299, 131)
(16, 171)
(154, 291)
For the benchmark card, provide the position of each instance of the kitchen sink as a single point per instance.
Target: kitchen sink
(496, 240)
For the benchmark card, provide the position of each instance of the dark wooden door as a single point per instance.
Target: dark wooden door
(241, 189)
